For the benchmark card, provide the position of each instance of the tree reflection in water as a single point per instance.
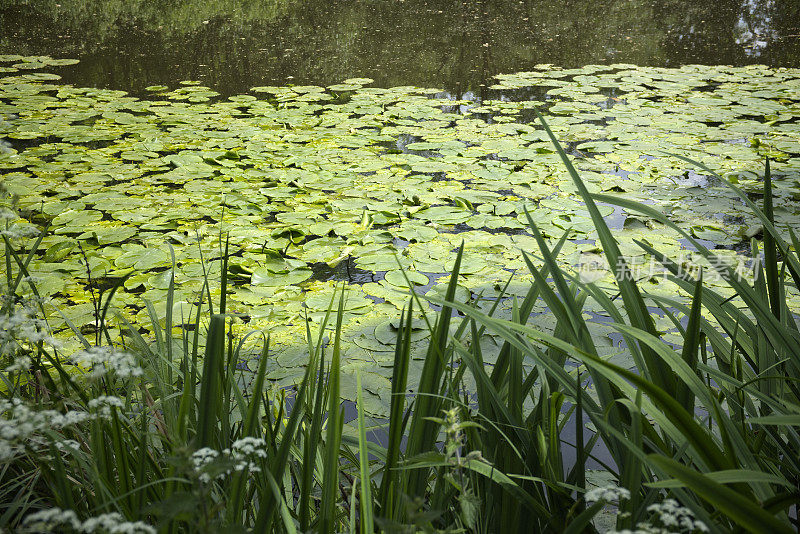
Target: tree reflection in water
(453, 44)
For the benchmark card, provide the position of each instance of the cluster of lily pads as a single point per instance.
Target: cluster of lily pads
(377, 187)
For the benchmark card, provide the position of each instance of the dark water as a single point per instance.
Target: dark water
(232, 45)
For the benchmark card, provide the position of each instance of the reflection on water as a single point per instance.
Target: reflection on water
(755, 26)
(232, 45)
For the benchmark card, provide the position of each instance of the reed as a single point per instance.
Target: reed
(158, 434)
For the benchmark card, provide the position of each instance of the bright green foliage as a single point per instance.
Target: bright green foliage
(316, 185)
(190, 424)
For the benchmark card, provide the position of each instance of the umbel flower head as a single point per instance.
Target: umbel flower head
(101, 360)
(20, 329)
(23, 426)
(58, 520)
(608, 494)
(210, 464)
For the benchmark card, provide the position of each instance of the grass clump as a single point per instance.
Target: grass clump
(137, 435)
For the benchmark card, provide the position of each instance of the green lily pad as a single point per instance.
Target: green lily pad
(398, 278)
(350, 184)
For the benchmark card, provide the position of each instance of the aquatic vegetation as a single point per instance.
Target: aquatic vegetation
(698, 435)
(184, 444)
(313, 185)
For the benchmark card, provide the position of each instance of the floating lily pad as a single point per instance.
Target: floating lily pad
(398, 278)
(307, 180)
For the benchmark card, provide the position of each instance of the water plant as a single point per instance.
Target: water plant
(158, 435)
(310, 199)
(163, 428)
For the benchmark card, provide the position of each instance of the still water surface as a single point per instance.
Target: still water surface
(232, 45)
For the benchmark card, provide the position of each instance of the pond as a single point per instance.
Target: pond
(342, 141)
(449, 44)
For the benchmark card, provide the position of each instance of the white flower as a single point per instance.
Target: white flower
(247, 466)
(249, 446)
(67, 444)
(136, 527)
(48, 520)
(70, 418)
(114, 523)
(103, 359)
(104, 403)
(18, 231)
(211, 464)
(104, 522)
(53, 520)
(7, 452)
(608, 494)
(203, 457)
(21, 363)
(667, 517)
(22, 426)
(106, 400)
(21, 329)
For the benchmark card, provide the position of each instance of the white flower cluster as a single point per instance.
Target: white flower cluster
(211, 464)
(607, 494)
(5, 213)
(202, 460)
(5, 147)
(672, 515)
(19, 327)
(58, 520)
(103, 359)
(21, 363)
(22, 425)
(244, 450)
(667, 517)
(11, 224)
(67, 444)
(18, 231)
(102, 405)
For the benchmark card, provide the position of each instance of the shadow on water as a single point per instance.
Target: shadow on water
(344, 271)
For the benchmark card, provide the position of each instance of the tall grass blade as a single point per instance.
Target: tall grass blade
(330, 473)
(210, 387)
(770, 247)
(423, 431)
(691, 345)
(638, 313)
(390, 482)
(793, 261)
(739, 508)
(775, 332)
(223, 296)
(277, 466)
(365, 499)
